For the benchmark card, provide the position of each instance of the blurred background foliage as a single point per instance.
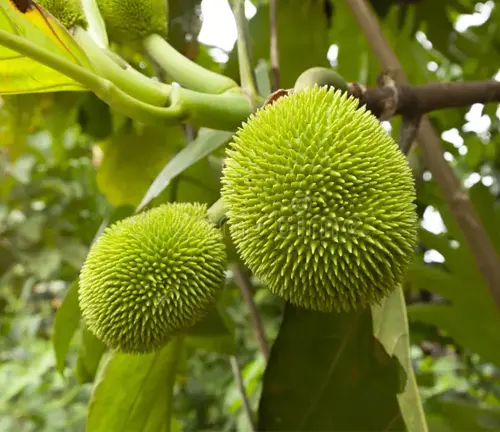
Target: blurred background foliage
(68, 163)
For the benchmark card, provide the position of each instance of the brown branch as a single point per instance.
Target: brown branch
(408, 132)
(243, 282)
(274, 51)
(429, 97)
(235, 367)
(487, 260)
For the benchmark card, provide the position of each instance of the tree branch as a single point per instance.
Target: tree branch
(243, 282)
(274, 51)
(429, 97)
(487, 260)
(408, 132)
(235, 367)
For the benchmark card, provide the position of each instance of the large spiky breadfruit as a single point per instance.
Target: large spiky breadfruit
(320, 201)
(133, 20)
(152, 275)
(68, 12)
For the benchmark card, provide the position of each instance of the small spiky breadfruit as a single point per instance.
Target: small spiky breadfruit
(320, 201)
(68, 12)
(152, 275)
(133, 20)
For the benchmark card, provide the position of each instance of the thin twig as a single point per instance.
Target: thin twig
(408, 132)
(274, 50)
(248, 80)
(487, 260)
(244, 284)
(241, 388)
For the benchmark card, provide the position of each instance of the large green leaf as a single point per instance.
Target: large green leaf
(206, 142)
(66, 323)
(20, 74)
(390, 327)
(133, 157)
(215, 333)
(134, 392)
(89, 356)
(327, 372)
(460, 283)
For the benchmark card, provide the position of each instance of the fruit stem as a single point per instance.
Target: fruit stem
(129, 80)
(322, 77)
(184, 71)
(224, 111)
(217, 212)
(103, 88)
(96, 26)
(247, 72)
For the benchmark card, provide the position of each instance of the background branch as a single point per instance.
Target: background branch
(235, 367)
(274, 51)
(408, 132)
(243, 282)
(486, 258)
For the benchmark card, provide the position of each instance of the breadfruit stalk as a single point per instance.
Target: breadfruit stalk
(320, 201)
(224, 112)
(96, 26)
(320, 76)
(145, 22)
(74, 17)
(125, 77)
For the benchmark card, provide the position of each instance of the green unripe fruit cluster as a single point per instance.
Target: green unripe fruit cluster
(133, 20)
(152, 275)
(68, 12)
(320, 201)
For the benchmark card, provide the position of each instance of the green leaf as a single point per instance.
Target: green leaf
(20, 74)
(206, 142)
(458, 280)
(214, 333)
(464, 416)
(390, 327)
(66, 323)
(488, 211)
(135, 392)
(328, 373)
(133, 157)
(89, 356)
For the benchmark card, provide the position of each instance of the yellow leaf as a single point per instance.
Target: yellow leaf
(20, 74)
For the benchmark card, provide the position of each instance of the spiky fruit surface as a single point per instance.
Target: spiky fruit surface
(320, 201)
(152, 275)
(68, 12)
(133, 20)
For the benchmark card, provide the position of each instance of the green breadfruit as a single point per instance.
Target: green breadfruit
(152, 275)
(133, 20)
(320, 201)
(68, 12)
